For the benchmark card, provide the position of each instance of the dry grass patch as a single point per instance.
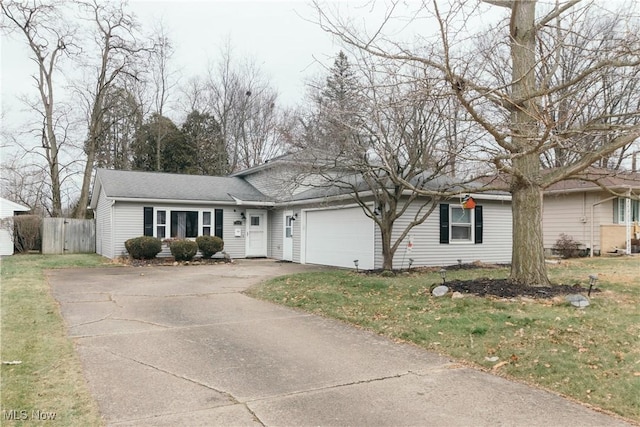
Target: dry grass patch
(47, 381)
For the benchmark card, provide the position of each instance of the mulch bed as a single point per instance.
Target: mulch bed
(169, 261)
(503, 288)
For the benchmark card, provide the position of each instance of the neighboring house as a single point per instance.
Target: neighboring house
(591, 215)
(261, 211)
(7, 210)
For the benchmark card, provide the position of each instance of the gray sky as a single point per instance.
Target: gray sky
(273, 33)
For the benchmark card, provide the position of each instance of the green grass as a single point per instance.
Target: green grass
(49, 379)
(592, 354)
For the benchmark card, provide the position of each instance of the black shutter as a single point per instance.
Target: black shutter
(218, 223)
(148, 221)
(444, 223)
(478, 224)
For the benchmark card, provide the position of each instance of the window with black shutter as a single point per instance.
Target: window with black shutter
(148, 221)
(456, 224)
(444, 223)
(478, 224)
(218, 223)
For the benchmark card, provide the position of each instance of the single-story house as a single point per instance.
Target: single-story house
(7, 210)
(259, 213)
(591, 215)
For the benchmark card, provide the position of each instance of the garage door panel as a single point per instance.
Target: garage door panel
(339, 236)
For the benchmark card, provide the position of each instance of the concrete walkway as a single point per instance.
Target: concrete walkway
(167, 346)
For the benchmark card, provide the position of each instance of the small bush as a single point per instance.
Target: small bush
(209, 245)
(26, 232)
(183, 249)
(143, 247)
(566, 247)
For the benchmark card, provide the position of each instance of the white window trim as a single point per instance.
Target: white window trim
(471, 223)
(167, 219)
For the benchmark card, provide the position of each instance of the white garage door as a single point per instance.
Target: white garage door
(339, 236)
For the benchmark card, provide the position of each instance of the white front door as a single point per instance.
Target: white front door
(256, 245)
(287, 236)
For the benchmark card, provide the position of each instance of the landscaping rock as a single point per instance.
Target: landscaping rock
(440, 291)
(578, 300)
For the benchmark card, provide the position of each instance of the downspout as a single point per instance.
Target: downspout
(627, 217)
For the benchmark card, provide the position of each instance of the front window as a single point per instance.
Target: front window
(288, 230)
(161, 224)
(206, 223)
(184, 224)
(461, 225)
(619, 211)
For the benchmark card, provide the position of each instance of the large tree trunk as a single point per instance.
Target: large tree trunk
(528, 266)
(527, 257)
(83, 203)
(387, 249)
(52, 153)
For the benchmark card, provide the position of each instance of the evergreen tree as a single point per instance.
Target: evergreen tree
(176, 155)
(339, 105)
(202, 132)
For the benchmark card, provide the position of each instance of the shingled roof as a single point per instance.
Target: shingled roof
(166, 186)
(593, 179)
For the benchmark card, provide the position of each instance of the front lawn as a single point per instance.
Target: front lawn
(590, 354)
(41, 375)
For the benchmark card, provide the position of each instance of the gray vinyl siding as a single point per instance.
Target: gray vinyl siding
(278, 183)
(234, 246)
(570, 213)
(282, 183)
(427, 251)
(275, 233)
(297, 235)
(129, 221)
(104, 228)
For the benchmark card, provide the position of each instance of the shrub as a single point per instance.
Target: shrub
(26, 232)
(143, 247)
(209, 245)
(183, 249)
(566, 247)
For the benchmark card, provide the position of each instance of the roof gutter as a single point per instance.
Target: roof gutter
(582, 190)
(236, 202)
(270, 204)
(240, 202)
(369, 193)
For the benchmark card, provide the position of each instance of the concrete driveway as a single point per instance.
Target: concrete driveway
(166, 346)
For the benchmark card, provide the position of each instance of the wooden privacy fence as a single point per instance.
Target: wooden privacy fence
(68, 236)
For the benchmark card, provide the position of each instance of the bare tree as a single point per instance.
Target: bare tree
(41, 26)
(122, 117)
(119, 51)
(163, 80)
(512, 103)
(26, 183)
(245, 105)
(385, 146)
